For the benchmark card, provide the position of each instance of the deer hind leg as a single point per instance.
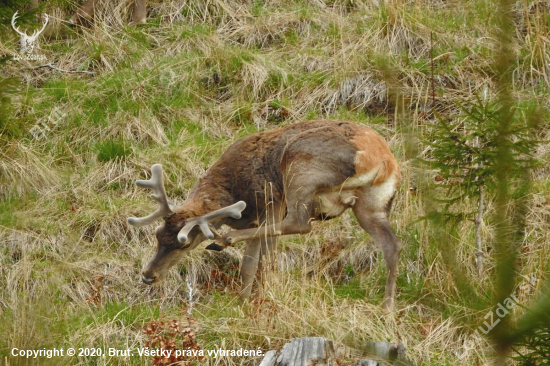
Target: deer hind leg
(299, 211)
(297, 221)
(372, 213)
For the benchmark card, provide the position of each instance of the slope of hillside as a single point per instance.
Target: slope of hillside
(181, 89)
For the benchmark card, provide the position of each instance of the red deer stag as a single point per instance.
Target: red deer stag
(313, 170)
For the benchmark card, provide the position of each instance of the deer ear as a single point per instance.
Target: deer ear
(215, 247)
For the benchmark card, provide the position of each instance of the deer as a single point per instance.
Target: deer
(276, 183)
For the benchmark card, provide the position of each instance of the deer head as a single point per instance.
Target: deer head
(180, 232)
(27, 42)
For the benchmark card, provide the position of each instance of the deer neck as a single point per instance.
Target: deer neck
(204, 198)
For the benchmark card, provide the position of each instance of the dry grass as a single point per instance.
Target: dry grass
(179, 91)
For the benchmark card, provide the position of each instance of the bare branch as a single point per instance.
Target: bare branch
(51, 65)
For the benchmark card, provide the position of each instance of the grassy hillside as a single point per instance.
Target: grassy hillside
(178, 91)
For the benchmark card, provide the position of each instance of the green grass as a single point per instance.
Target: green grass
(111, 150)
(352, 290)
(179, 91)
(122, 314)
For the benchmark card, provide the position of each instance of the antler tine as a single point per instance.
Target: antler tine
(156, 183)
(16, 28)
(233, 211)
(43, 27)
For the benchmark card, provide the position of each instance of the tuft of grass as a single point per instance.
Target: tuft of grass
(112, 150)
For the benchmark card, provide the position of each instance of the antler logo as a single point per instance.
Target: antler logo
(27, 42)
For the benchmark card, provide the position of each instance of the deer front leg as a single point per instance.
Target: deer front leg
(249, 267)
(256, 252)
(267, 257)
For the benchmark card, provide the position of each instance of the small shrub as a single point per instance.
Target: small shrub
(465, 149)
(537, 348)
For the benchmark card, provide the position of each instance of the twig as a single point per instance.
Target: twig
(478, 223)
(51, 65)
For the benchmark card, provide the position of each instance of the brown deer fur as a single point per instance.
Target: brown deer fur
(303, 172)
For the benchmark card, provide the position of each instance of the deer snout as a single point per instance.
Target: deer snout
(149, 278)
